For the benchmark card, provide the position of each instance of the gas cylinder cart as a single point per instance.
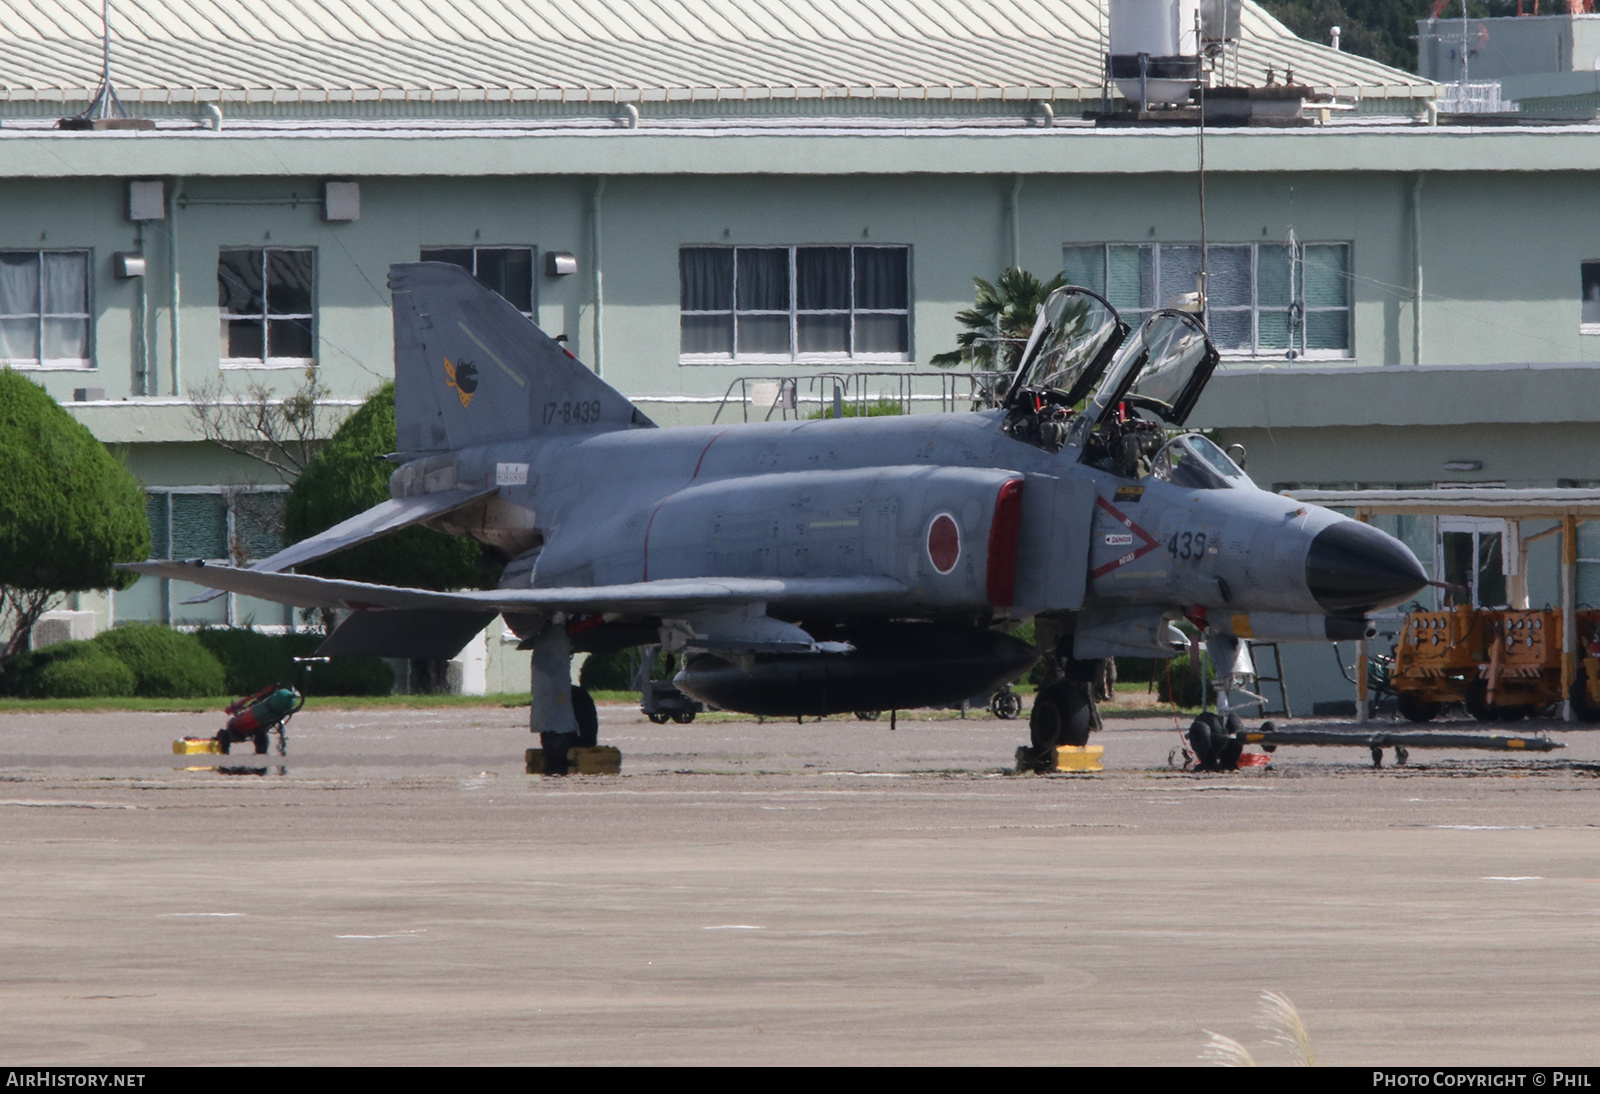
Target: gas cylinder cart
(254, 717)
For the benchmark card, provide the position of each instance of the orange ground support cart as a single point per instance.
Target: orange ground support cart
(1585, 693)
(1522, 671)
(1437, 659)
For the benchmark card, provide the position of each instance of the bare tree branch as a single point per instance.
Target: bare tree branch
(20, 609)
(282, 433)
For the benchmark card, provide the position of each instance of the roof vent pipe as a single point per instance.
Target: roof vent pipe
(630, 114)
(1044, 113)
(213, 115)
(1333, 33)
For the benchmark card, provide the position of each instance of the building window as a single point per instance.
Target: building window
(267, 298)
(1265, 299)
(784, 304)
(44, 309)
(1591, 298)
(218, 524)
(506, 270)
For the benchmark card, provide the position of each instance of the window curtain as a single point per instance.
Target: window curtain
(705, 279)
(882, 278)
(763, 278)
(822, 278)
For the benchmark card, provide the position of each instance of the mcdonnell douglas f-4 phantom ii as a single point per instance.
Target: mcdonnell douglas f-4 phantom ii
(833, 565)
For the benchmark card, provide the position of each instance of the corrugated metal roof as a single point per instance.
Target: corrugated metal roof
(605, 50)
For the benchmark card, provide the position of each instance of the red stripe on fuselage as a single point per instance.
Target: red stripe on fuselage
(1004, 533)
(1150, 542)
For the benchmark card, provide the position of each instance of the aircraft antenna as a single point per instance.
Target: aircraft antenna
(1201, 131)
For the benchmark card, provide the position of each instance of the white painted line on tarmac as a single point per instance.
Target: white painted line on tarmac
(395, 934)
(1533, 877)
(734, 927)
(186, 915)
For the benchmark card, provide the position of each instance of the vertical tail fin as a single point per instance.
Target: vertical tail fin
(470, 369)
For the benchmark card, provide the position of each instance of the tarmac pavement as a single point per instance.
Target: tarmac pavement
(394, 890)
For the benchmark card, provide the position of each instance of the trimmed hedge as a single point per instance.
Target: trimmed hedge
(166, 664)
(68, 670)
(157, 662)
(252, 660)
(98, 677)
(68, 508)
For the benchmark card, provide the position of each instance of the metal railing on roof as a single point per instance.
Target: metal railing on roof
(852, 394)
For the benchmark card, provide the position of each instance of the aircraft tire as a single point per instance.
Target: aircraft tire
(683, 717)
(1477, 704)
(1207, 739)
(260, 742)
(587, 717)
(1414, 709)
(224, 741)
(1232, 746)
(1582, 708)
(1005, 705)
(556, 746)
(1063, 714)
(659, 718)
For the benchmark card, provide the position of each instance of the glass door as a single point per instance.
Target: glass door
(1473, 556)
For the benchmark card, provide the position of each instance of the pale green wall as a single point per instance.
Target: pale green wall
(1501, 256)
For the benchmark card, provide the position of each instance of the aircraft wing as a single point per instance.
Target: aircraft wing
(639, 598)
(381, 519)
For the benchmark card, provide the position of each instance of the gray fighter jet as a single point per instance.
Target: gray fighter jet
(816, 567)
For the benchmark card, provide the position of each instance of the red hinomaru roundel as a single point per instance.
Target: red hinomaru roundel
(944, 543)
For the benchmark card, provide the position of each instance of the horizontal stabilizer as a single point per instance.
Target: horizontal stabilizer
(654, 598)
(405, 632)
(381, 519)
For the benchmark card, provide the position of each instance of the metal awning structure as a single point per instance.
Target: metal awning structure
(1568, 505)
(1552, 503)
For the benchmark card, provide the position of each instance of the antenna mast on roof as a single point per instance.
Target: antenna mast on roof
(105, 103)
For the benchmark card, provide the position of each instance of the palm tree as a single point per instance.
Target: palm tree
(999, 321)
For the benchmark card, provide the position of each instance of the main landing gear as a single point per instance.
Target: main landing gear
(1063, 715)
(560, 712)
(557, 746)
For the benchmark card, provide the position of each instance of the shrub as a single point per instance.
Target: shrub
(252, 660)
(1137, 670)
(95, 677)
(68, 670)
(1175, 683)
(166, 664)
(68, 509)
(614, 671)
(883, 408)
(347, 477)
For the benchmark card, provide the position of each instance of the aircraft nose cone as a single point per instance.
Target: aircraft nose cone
(1352, 568)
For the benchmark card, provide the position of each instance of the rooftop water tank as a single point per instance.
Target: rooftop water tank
(1155, 49)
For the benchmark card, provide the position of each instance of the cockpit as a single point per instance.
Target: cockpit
(1088, 380)
(1195, 462)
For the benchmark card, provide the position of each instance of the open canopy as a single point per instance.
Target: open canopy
(1073, 340)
